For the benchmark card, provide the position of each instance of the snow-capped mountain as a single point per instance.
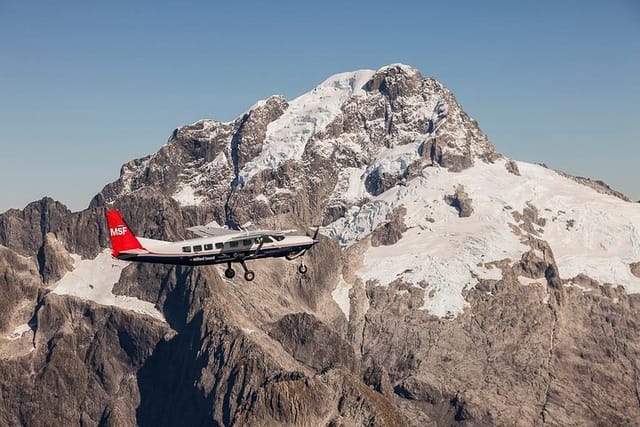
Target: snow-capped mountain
(451, 285)
(363, 144)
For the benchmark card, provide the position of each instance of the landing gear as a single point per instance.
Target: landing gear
(248, 274)
(229, 273)
(302, 269)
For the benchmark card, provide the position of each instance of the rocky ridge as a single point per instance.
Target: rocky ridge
(451, 286)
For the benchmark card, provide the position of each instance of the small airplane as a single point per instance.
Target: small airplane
(214, 246)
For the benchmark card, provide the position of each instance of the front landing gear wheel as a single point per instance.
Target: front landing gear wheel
(229, 273)
(249, 275)
(302, 269)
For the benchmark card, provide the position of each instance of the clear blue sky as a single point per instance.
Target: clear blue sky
(86, 86)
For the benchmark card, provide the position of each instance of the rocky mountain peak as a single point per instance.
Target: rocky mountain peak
(24, 230)
(384, 124)
(395, 80)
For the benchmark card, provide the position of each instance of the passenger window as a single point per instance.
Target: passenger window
(186, 249)
(197, 248)
(233, 244)
(208, 247)
(219, 245)
(278, 238)
(247, 242)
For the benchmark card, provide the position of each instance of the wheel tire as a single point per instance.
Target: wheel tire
(229, 273)
(249, 275)
(302, 269)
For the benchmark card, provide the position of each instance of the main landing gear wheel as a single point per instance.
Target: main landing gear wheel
(229, 273)
(302, 269)
(248, 274)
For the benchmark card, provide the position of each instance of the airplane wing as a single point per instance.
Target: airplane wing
(255, 234)
(260, 233)
(206, 231)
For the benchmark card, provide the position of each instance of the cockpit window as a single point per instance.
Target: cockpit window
(279, 237)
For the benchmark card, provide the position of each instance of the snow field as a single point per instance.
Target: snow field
(445, 254)
(94, 279)
(306, 115)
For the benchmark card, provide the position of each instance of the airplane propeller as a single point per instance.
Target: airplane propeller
(315, 235)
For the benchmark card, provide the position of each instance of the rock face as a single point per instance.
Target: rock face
(390, 232)
(512, 167)
(460, 201)
(19, 284)
(53, 259)
(451, 286)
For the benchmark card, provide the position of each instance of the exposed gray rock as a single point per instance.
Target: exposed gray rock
(377, 182)
(19, 284)
(395, 81)
(247, 140)
(480, 354)
(332, 213)
(338, 399)
(512, 167)
(529, 219)
(24, 230)
(585, 282)
(53, 259)
(446, 150)
(531, 214)
(148, 281)
(81, 233)
(83, 367)
(391, 231)
(460, 201)
(378, 377)
(312, 343)
(608, 352)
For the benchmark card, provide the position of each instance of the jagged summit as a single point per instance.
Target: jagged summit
(384, 120)
(309, 114)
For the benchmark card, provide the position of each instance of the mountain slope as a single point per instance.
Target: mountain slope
(451, 285)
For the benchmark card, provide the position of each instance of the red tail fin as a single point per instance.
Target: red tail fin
(122, 238)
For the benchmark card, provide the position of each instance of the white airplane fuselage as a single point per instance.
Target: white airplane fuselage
(217, 250)
(217, 246)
